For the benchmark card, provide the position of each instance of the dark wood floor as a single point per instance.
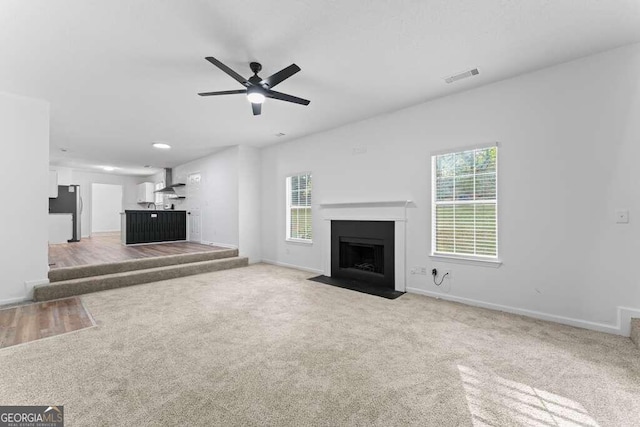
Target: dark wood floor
(106, 247)
(30, 322)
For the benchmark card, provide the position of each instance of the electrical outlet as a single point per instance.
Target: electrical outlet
(413, 271)
(423, 271)
(359, 150)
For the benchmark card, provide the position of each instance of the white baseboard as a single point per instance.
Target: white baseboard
(623, 326)
(625, 314)
(13, 300)
(224, 245)
(297, 267)
(28, 291)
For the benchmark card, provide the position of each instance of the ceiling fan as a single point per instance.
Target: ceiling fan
(257, 88)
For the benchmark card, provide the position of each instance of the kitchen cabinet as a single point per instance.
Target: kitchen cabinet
(53, 184)
(145, 193)
(149, 226)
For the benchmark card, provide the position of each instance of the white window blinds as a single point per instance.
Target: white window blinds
(299, 207)
(465, 203)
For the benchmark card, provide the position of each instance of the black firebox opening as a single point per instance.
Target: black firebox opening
(362, 254)
(363, 251)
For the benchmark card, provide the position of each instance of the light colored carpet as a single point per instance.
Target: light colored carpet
(262, 346)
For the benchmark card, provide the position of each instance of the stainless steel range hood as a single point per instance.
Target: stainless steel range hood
(169, 186)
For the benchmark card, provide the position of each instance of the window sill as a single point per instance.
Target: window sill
(300, 241)
(484, 262)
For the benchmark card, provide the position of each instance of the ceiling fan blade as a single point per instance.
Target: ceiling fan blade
(284, 97)
(281, 75)
(228, 70)
(223, 92)
(257, 109)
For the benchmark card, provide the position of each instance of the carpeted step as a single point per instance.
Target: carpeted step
(635, 331)
(69, 273)
(67, 288)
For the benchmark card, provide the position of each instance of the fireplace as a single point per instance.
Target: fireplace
(364, 251)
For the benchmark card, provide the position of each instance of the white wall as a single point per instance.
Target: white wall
(106, 205)
(570, 144)
(24, 137)
(249, 204)
(219, 195)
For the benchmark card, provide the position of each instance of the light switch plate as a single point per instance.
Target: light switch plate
(622, 216)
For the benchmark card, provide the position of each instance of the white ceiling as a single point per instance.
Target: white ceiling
(120, 73)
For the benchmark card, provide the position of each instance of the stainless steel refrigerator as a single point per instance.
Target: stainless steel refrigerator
(69, 200)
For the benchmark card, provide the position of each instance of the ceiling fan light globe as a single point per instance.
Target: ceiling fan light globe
(255, 97)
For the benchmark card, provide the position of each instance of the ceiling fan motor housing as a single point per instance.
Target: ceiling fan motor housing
(255, 67)
(256, 80)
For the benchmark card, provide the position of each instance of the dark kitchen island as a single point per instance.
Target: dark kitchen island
(147, 226)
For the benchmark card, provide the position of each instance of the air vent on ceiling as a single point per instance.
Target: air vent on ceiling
(463, 75)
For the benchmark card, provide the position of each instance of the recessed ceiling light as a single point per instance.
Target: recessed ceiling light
(147, 166)
(108, 168)
(161, 145)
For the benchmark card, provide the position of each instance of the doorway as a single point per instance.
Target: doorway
(106, 205)
(194, 182)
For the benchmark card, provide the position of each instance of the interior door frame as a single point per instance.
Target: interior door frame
(92, 203)
(192, 208)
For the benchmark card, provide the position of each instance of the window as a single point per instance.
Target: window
(465, 203)
(299, 207)
(159, 196)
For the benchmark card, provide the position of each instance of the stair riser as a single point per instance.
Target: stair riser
(95, 284)
(70, 273)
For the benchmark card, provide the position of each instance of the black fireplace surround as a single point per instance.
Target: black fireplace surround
(364, 251)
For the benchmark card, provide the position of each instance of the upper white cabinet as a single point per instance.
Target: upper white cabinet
(65, 176)
(145, 193)
(53, 184)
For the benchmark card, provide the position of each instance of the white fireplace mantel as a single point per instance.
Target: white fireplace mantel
(380, 203)
(380, 210)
